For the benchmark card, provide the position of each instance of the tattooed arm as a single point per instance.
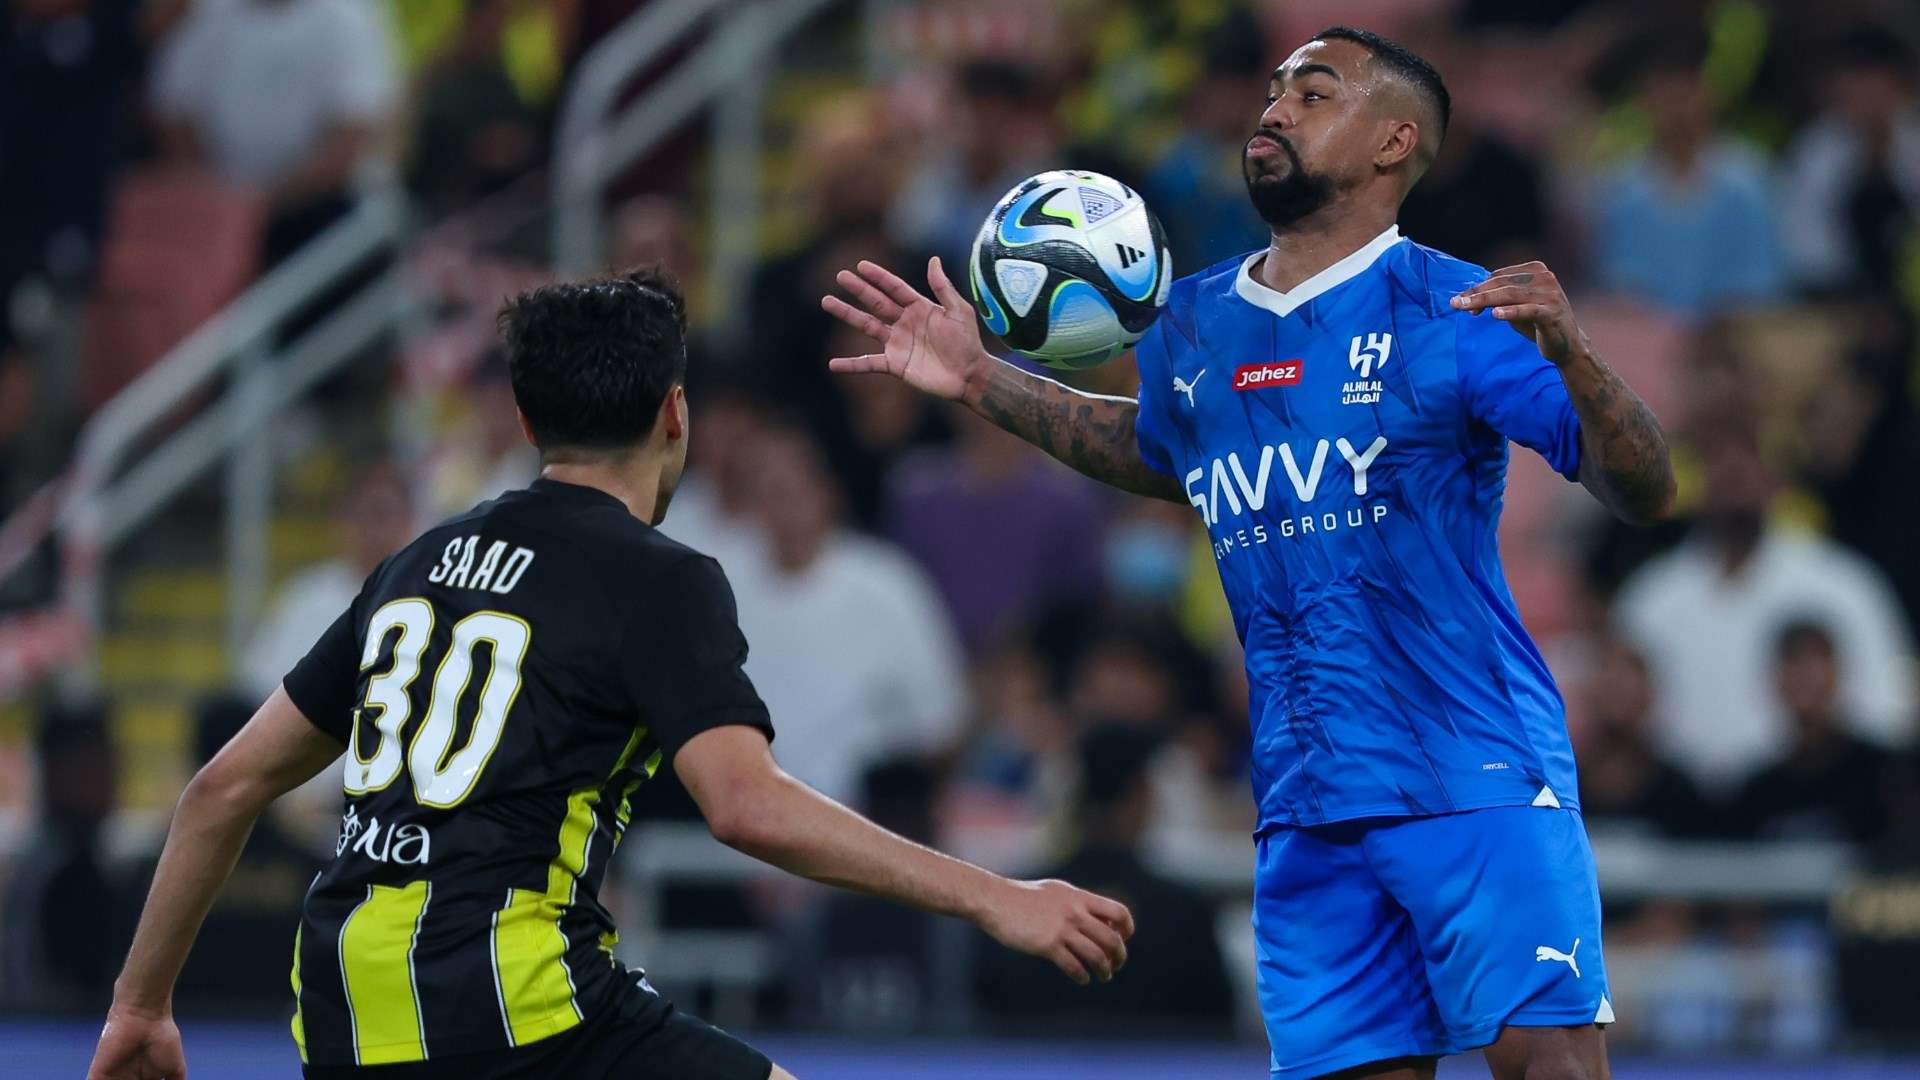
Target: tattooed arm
(936, 347)
(1623, 454)
(1091, 432)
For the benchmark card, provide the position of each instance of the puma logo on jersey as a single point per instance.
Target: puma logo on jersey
(1548, 952)
(1182, 386)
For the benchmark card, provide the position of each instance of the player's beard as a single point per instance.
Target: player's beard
(1282, 200)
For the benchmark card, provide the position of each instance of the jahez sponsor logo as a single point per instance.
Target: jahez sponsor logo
(1271, 373)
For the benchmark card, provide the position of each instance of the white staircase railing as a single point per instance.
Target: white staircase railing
(99, 502)
(599, 138)
(91, 509)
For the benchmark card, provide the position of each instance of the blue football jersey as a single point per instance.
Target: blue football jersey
(1346, 444)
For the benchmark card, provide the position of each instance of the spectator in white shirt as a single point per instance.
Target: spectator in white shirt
(284, 97)
(1706, 616)
(1853, 175)
(847, 639)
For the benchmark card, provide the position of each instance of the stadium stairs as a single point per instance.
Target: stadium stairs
(163, 648)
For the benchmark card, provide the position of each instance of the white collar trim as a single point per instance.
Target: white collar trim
(1286, 303)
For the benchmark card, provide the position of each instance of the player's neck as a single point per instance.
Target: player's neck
(1314, 243)
(636, 485)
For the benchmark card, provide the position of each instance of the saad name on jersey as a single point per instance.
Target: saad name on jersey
(499, 570)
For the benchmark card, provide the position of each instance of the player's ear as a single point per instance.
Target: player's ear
(526, 429)
(1402, 143)
(673, 413)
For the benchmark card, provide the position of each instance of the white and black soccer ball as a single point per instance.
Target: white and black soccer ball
(1070, 268)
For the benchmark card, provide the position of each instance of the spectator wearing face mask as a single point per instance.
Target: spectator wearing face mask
(1148, 553)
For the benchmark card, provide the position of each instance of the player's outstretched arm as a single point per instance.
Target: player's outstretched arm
(751, 804)
(936, 347)
(1623, 453)
(277, 751)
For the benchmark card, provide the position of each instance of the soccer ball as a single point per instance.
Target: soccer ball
(1070, 268)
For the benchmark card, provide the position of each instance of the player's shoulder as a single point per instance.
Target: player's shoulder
(1194, 297)
(595, 532)
(611, 533)
(1214, 282)
(1216, 278)
(1428, 278)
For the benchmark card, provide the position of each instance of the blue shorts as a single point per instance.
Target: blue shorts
(1409, 937)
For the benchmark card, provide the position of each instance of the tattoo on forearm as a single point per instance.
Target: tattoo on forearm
(1624, 457)
(1092, 433)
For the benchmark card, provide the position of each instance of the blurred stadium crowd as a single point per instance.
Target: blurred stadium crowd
(972, 643)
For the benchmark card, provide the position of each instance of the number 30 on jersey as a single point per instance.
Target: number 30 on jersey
(441, 777)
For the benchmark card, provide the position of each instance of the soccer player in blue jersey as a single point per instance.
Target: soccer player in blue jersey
(1337, 408)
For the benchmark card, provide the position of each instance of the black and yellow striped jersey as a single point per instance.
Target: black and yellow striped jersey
(503, 684)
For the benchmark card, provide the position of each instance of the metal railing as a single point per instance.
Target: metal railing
(599, 139)
(657, 857)
(93, 507)
(583, 143)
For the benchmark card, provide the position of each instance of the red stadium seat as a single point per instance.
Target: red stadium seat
(179, 245)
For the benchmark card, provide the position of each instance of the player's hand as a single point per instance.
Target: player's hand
(935, 347)
(1083, 934)
(1529, 298)
(138, 1045)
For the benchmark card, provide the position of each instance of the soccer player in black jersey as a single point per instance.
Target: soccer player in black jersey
(500, 688)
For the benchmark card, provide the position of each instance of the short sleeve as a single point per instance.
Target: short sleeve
(685, 657)
(325, 681)
(1151, 427)
(1511, 388)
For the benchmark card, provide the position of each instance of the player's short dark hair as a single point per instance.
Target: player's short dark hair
(1403, 62)
(591, 361)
